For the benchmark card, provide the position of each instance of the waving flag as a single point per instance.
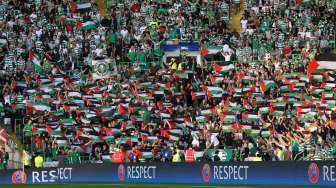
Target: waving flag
(223, 69)
(32, 57)
(266, 85)
(40, 106)
(87, 25)
(213, 91)
(314, 65)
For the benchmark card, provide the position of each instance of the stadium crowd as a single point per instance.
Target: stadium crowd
(256, 99)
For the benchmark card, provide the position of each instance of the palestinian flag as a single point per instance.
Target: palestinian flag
(147, 155)
(40, 106)
(250, 117)
(255, 133)
(310, 127)
(32, 57)
(79, 7)
(223, 68)
(204, 51)
(201, 119)
(266, 85)
(314, 65)
(62, 142)
(54, 130)
(228, 118)
(196, 95)
(302, 1)
(175, 134)
(213, 91)
(266, 134)
(227, 128)
(87, 25)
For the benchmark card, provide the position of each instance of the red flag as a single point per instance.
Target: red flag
(168, 84)
(209, 95)
(13, 85)
(291, 87)
(164, 133)
(237, 125)
(332, 124)
(135, 7)
(78, 112)
(193, 95)
(222, 116)
(170, 109)
(79, 24)
(49, 129)
(172, 124)
(175, 76)
(66, 108)
(144, 138)
(262, 86)
(73, 7)
(129, 142)
(101, 137)
(29, 108)
(122, 110)
(217, 68)
(131, 108)
(204, 52)
(133, 119)
(244, 115)
(78, 133)
(325, 75)
(109, 131)
(299, 111)
(34, 129)
(187, 119)
(38, 141)
(312, 66)
(214, 110)
(150, 94)
(245, 102)
(273, 131)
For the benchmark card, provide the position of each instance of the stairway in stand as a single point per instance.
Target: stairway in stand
(235, 17)
(101, 7)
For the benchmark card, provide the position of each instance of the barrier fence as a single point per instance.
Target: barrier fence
(255, 173)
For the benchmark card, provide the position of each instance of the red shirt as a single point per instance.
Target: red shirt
(287, 50)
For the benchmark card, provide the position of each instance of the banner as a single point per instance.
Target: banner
(255, 173)
(101, 69)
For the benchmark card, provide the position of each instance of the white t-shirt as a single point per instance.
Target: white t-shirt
(124, 33)
(99, 52)
(243, 24)
(214, 140)
(227, 57)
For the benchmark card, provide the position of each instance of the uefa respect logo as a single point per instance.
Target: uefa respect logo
(121, 172)
(19, 177)
(206, 172)
(313, 173)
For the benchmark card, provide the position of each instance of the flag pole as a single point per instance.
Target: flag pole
(23, 159)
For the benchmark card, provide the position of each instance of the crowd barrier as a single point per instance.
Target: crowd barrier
(254, 173)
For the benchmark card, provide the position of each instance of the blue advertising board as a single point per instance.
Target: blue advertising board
(190, 47)
(255, 173)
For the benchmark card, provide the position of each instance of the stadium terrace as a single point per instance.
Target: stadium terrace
(91, 82)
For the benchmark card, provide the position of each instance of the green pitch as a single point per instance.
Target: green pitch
(142, 185)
